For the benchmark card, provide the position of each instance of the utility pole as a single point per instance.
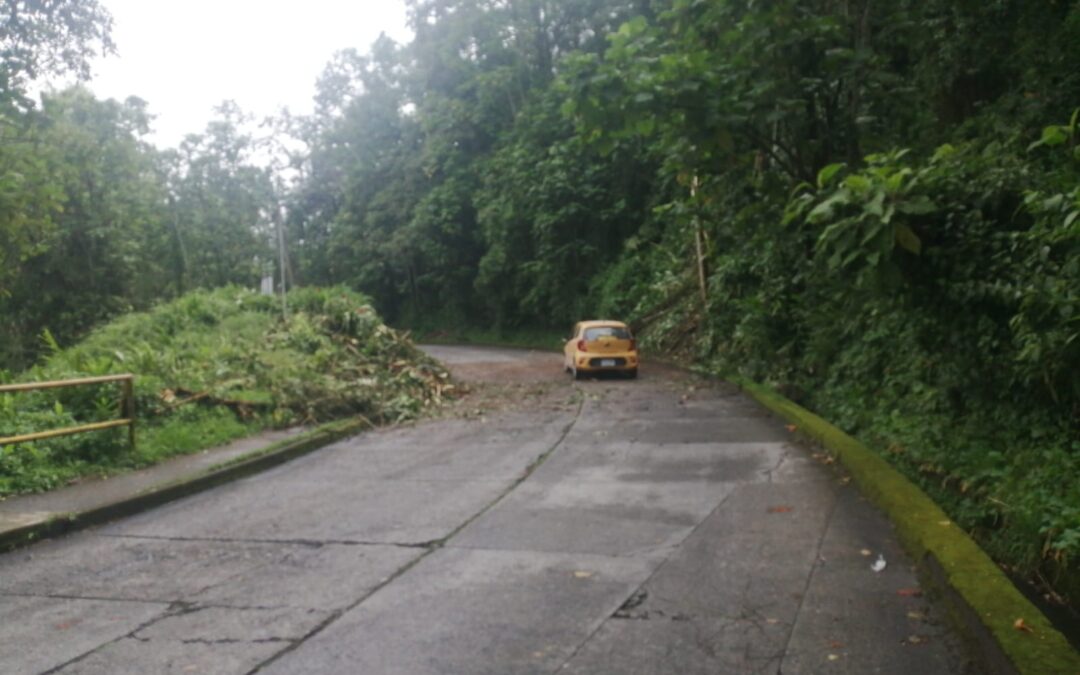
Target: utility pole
(281, 258)
(180, 268)
(699, 245)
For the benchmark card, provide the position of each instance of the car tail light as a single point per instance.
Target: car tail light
(581, 346)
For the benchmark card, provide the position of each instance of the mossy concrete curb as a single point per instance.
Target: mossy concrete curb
(246, 465)
(984, 602)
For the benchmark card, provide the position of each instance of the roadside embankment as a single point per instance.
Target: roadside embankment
(51, 514)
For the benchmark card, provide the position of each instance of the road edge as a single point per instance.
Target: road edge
(982, 600)
(248, 464)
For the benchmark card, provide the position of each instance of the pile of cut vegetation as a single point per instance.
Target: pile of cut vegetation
(209, 367)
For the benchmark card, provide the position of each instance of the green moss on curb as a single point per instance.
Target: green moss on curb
(985, 602)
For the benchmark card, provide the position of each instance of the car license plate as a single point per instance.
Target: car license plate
(606, 363)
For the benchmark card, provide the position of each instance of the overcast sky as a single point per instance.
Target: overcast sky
(186, 56)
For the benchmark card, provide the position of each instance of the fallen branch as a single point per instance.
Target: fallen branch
(243, 409)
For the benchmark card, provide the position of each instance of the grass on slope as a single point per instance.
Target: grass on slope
(212, 366)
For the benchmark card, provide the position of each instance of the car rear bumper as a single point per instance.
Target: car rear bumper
(593, 363)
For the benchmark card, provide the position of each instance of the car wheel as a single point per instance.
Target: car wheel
(631, 374)
(578, 375)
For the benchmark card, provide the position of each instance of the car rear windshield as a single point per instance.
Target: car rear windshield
(601, 331)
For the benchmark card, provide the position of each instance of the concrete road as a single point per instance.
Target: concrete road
(663, 525)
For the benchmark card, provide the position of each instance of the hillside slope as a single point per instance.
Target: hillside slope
(211, 366)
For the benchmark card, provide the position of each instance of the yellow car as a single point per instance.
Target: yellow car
(601, 346)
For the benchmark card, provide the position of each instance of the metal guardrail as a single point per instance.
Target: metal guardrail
(127, 408)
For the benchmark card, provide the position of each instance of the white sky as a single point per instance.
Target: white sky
(186, 56)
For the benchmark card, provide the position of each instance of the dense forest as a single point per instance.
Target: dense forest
(873, 206)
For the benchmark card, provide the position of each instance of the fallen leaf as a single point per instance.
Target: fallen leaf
(944, 523)
(1021, 626)
(916, 640)
(833, 644)
(582, 574)
(909, 593)
(772, 621)
(781, 509)
(791, 428)
(834, 657)
(845, 480)
(64, 625)
(916, 616)
(866, 552)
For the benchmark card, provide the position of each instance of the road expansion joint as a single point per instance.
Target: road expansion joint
(809, 579)
(529, 470)
(88, 598)
(234, 641)
(309, 543)
(640, 594)
(430, 548)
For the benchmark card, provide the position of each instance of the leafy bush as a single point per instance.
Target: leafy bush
(211, 366)
(958, 282)
(928, 304)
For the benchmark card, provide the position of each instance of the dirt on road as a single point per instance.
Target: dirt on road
(537, 525)
(494, 379)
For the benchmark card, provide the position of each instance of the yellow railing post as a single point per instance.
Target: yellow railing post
(129, 409)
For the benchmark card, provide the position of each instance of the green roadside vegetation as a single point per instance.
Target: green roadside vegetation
(212, 366)
(872, 207)
(927, 305)
(977, 591)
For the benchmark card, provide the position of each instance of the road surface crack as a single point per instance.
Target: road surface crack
(529, 470)
(779, 463)
(431, 548)
(309, 543)
(172, 610)
(235, 641)
(806, 587)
